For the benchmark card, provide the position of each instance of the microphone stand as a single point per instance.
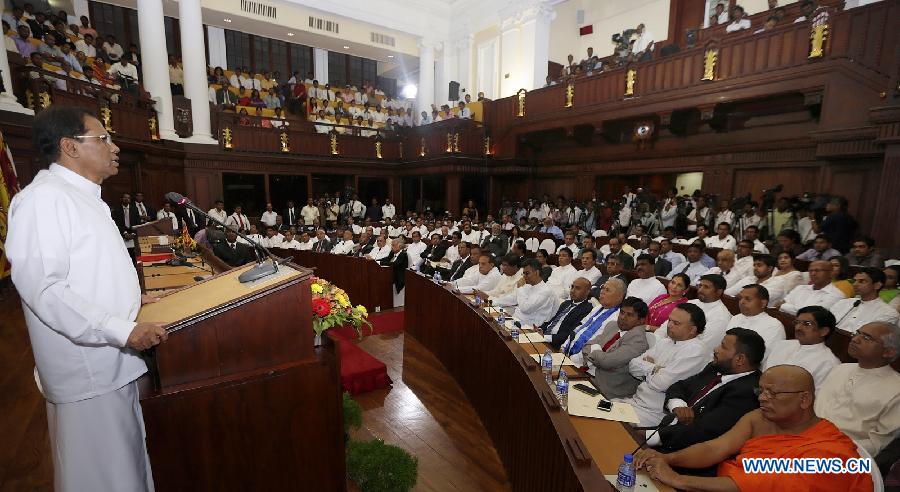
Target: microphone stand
(262, 269)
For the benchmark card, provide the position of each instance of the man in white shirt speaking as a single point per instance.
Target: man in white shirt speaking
(80, 307)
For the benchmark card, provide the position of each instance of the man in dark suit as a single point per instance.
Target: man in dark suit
(496, 243)
(613, 270)
(434, 251)
(187, 216)
(708, 404)
(622, 339)
(364, 245)
(459, 267)
(661, 266)
(569, 315)
(398, 260)
(230, 251)
(323, 243)
(143, 210)
(125, 215)
(615, 248)
(291, 214)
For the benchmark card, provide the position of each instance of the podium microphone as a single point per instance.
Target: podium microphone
(668, 419)
(854, 306)
(518, 325)
(262, 268)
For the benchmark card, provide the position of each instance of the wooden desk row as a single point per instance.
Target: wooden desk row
(541, 446)
(365, 281)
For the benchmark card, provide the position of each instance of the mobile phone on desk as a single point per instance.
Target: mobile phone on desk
(604, 406)
(586, 389)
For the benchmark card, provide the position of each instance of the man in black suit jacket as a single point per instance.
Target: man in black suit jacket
(435, 250)
(613, 270)
(323, 244)
(569, 315)
(459, 267)
(125, 215)
(661, 266)
(708, 404)
(232, 252)
(496, 243)
(398, 260)
(291, 214)
(189, 217)
(149, 214)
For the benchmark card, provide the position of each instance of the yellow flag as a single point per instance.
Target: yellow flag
(8, 187)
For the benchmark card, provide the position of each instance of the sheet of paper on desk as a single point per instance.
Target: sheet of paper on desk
(532, 338)
(557, 359)
(584, 405)
(643, 483)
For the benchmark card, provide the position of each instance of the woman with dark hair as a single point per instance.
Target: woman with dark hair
(546, 269)
(789, 276)
(841, 268)
(662, 306)
(514, 235)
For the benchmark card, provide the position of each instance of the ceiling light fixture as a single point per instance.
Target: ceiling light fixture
(390, 56)
(346, 47)
(290, 34)
(227, 20)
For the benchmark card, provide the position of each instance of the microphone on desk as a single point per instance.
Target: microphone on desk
(262, 268)
(533, 346)
(854, 306)
(567, 352)
(668, 419)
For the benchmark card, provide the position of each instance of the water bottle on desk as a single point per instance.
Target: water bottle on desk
(547, 366)
(501, 318)
(477, 301)
(438, 278)
(435, 278)
(562, 389)
(626, 479)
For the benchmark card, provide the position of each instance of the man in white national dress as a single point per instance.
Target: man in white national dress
(80, 295)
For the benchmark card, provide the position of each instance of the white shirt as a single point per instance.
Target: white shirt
(268, 218)
(645, 289)
(769, 328)
(309, 214)
(572, 247)
(744, 265)
(723, 18)
(583, 325)
(473, 237)
(717, 319)
(343, 247)
(643, 41)
(561, 280)
(380, 253)
(452, 253)
(129, 71)
(238, 221)
(726, 216)
(162, 214)
(817, 359)
(414, 251)
(478, 281)
(535, 304)
(292, 244)
(221, 215)
(308, 245)
(388, 210)
(806, 295)
(592, 275)
(505, 285)
(850, 319)
(79, 290)
(772, 284)
(672, 361)
(731, 278)
(738, 25)
(693, 270)
(674, 258)
(862, 403)
(716, 242)
(272, 242)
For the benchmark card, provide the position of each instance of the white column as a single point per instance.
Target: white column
(534, 38)
(155, 64)
(464, 65)
(425, 95)
(442, 75)
(320, 66)
(510, 69)
(8, 101)
(196, 87)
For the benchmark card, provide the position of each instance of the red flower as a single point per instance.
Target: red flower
(321, 307)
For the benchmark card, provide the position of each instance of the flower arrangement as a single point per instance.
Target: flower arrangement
(331, 307)
(184, 241)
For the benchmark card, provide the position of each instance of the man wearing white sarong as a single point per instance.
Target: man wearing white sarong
(80, 296)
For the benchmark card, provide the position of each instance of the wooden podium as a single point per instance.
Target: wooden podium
(238, 398)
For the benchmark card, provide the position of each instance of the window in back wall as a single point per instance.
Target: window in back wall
(237, 49)
(337, 69)
(301, 61)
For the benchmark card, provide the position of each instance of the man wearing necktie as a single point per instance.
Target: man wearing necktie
(708, 404)
(619, 343)
(584, 337)
(569, 315)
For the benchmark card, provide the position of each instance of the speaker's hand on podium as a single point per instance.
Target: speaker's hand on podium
(146, 335)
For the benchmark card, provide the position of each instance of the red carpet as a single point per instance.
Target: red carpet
(360, 372)
(381, 323)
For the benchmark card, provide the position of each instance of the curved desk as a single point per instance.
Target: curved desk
(541, 446)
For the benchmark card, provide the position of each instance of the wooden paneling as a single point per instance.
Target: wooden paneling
(795, 180)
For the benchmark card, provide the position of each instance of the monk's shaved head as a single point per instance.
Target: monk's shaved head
(787, 395)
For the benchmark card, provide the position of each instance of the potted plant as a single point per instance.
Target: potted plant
(331, 307)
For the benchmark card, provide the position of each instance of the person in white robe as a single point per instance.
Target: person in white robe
(676, 357)
(863, 399)
(725, 268)
(535, 302)
(563, 275)
(693, 267)
(709, 299)
(269, 217)
(820, 292)
(415, 249)
(812, 326)
(723, 238)
(381, 249)
(509, 281)
(867, 307)
(485, 279)
(646, 287)
(763, 274)
(306, 243)
(345, 245)
(80, 306)
(753, 316)
(589, 268)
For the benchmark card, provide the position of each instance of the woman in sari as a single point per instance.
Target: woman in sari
(662, 306)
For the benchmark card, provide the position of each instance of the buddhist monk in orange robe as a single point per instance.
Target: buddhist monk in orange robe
(784, 426)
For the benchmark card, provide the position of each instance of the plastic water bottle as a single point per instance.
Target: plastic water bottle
(627, 477)
(477, 301)
(434, 278)
(501, 317)
(547, 366)
(562, 389)
(439, 277)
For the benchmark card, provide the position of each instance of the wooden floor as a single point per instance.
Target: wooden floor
(425, 412)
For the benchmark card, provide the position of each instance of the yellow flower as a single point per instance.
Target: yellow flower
(362, 311)
(316, 288)
(342, 300)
